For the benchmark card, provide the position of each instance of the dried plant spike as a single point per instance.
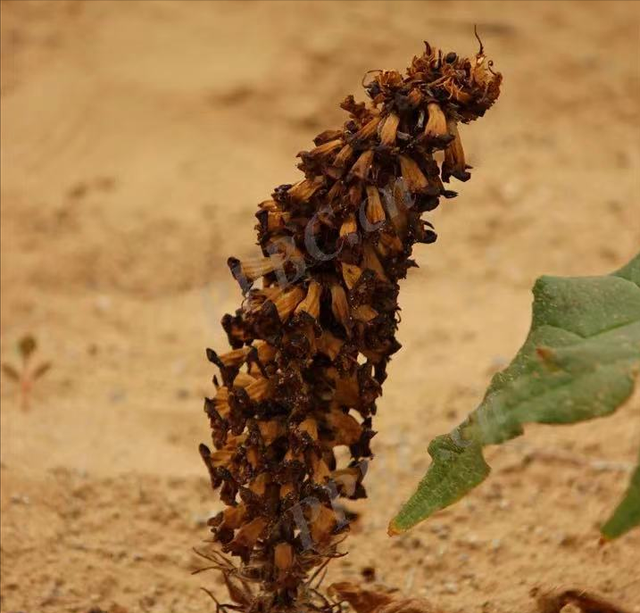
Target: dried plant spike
(310, 346)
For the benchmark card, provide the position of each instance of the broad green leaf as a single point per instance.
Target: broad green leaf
(627, 515)
(578, 362)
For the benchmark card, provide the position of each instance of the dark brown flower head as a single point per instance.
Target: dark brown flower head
(311, 342)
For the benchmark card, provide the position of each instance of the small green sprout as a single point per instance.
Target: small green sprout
(28, 373)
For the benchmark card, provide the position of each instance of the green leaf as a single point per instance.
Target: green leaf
(627, 514)
(578, 362)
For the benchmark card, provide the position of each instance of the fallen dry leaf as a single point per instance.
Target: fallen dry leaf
(379, 601)
(555, 601)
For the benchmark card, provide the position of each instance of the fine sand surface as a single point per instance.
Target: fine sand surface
(137, 139)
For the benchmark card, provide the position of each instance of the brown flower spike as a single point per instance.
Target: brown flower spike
(311, 343)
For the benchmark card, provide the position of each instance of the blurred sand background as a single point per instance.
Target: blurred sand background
(137, 139)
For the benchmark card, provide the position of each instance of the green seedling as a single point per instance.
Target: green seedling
(28, 372)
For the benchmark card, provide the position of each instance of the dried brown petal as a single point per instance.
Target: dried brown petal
(389, 130)
(248, 534)
(243, 379)
(347, 430)
(347, 391)
(288, 301)
(362, 167)
(283, 556)
(259, 484)
(413, 177)
(369, 129)
(347, 479)
(355, 194)
(454, 164)
(269, 205)
(272, 293)
(349, 225)
(253, 268)
(370, 260)
(320, 471)
(414, 98)
(322, 525)
(391, 242)
(233, 517)
(258, 389)
(253, 457)
(343, 157)
(435, 130)
(364, 313)
(375, 211)
(326, 148)
(236, 357)
(221, 457)
(351, 273)
(327, 136)
(311, 302)
(302, 191)
(271, 430)
(266, 352)
(340, 306)
(309, 426)
(287, 488)
(329, 344)
(274, 220)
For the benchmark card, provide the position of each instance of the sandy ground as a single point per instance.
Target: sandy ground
(137, 138)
